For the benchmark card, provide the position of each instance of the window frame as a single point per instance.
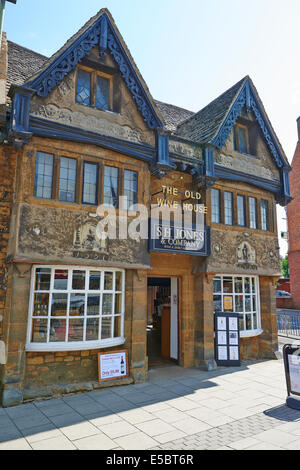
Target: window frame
(80, 345)
(35, 187)
(137, 188)
(59, 178)
(236, 139)
(244, 210)
(93, 91)
(256, 214)
(81, 159)
(232, 211)
(243, 333)
(120, 183)
(96, 203)
(267, 215)
(214, 191)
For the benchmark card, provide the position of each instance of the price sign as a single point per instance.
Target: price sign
(113, 365)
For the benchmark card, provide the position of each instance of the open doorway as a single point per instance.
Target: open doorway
(162, 321)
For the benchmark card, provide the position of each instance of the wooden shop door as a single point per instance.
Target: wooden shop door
(169, 325)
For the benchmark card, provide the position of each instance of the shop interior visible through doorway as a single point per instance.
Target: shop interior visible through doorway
(162, 321)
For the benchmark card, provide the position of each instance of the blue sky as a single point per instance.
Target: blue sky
(188, 52)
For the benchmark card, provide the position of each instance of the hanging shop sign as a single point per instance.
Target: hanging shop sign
(291, 357)
(169, 238)
(227, 339)
(113, 365)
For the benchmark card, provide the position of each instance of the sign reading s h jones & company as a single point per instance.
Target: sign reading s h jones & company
(169, 238)
(180, 235)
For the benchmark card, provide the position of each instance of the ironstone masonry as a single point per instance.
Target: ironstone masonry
(87, 110)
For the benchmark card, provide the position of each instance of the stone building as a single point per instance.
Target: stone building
(293, 215)
(78, 130)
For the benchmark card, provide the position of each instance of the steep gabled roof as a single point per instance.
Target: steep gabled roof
(101, 31)
(203, 126)
(21, 63)
(213, 123)
(173, 115)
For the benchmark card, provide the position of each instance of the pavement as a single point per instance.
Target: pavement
(177, 409)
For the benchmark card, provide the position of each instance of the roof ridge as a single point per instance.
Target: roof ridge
(174, 106)
(214, 100)
(27, 49)
(69, 41)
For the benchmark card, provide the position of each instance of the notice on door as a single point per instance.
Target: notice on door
(113, 365)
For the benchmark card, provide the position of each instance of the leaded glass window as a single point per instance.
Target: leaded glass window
(241, 139)
(67, 179)
(111, 186)
(43, 175)
(90, 179)
(130, 187)
(83, 95)
(102, 93)
(228, 208)
(241, 210)
(264, 214)
(215, 206)
(252, 212)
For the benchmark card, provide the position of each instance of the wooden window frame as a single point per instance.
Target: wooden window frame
(267, 229)
(232, 208)
(253, 294)
(88, 162)
(256, 213)
(77, 176)
(220, 211)
(80, 161)
(84, 344)
(237, 210)
(236, 138)
(93, 92)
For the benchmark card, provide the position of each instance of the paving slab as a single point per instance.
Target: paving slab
(41, 433)
(97, 442)
(15, 444)
(191, 425)
(79, 431)
(55, 443)
(155, 427)
(118, 429)
(136, 441)
(230, 409)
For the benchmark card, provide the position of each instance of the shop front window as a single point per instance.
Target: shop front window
(75, 308)
(238, 294)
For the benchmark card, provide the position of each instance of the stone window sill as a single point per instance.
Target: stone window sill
(53, 347)
(251, 333)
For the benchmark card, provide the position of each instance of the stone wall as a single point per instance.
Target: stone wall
(34, 374)
(8, 159)
(260, 164)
